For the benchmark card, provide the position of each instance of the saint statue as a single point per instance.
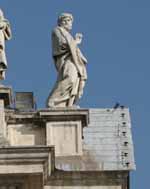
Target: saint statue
(5, 34)
(70, 65)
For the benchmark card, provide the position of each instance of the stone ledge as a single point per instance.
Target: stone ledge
(44, 115)
(66, 114)
(27, 160)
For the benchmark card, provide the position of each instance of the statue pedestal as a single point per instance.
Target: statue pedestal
(64, 129)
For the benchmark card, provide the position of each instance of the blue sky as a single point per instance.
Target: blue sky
(117, 45)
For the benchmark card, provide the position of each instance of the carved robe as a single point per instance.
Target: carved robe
(70, 65)
(5, 34)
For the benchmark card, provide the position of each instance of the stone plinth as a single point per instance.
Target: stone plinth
(64, 130)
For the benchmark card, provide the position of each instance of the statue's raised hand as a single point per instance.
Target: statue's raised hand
(78, 38)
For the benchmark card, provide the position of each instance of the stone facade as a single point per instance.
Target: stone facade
(88, 180)
(65, 148)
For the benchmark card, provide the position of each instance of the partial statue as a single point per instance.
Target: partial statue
(70, 65)
(5, 34)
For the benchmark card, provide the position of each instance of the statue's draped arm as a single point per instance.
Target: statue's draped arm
(59, 43)
(75, 54)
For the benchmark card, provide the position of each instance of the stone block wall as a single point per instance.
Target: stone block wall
(26, 134)
(88, 180)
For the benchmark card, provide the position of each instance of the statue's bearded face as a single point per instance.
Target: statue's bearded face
(67, 23)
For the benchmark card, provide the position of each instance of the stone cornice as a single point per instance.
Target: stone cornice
(44, 115)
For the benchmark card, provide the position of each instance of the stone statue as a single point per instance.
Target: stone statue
(70, 64)
(5, 34)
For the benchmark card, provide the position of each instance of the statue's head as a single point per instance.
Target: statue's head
(65, 20)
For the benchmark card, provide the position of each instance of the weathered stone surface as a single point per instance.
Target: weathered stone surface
(107, 143)
(2, 118)
(65, 114)
(21, 182)
(86, 180)
(37, 160)
(45, 115)
(60, 127)
(6, 95)
(83, 187)
(24, 101)
(3, 141)
(26, 134)
(3, 126)
(66, 136)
